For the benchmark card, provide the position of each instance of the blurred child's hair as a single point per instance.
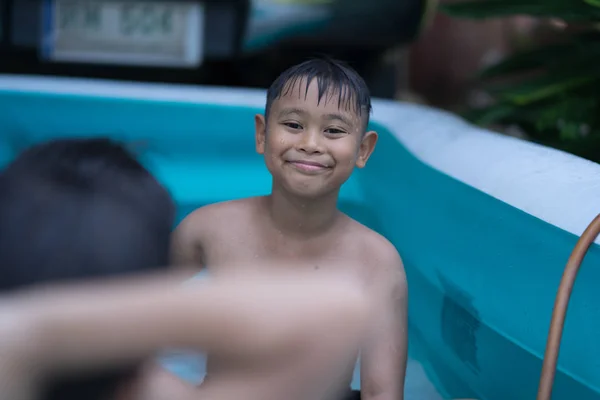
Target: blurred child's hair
(73, 209)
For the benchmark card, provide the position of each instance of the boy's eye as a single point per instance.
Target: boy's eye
(292, 125)
(334, 131)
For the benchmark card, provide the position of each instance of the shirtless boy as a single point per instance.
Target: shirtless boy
(312, 135)
(76, 209)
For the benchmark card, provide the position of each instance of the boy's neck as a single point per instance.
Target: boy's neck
(302, 216)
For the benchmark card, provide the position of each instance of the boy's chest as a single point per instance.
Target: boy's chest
(257, 250)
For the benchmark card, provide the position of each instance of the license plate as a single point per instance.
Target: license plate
(143, 33)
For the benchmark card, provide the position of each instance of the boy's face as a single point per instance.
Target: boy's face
(312, 147)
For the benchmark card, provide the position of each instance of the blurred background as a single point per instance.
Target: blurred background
(526, 68)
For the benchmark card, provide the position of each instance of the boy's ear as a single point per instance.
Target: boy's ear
(260, 128)
(366, 148)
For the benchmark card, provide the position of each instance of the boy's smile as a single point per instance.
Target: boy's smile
(309, 167)
(311, 145)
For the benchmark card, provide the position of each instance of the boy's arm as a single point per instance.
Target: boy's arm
(242, 316)
(384, 355)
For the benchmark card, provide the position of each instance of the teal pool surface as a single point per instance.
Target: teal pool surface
(482, 274)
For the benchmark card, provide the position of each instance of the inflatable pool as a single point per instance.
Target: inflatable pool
(485, 223)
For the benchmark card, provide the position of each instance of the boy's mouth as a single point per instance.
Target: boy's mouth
(308, 166)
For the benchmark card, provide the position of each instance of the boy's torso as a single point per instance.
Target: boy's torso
(238, 231)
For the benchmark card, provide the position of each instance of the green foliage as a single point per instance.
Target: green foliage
(551, 91)
(568, 10)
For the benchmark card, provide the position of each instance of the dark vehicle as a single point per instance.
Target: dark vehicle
(219, 42)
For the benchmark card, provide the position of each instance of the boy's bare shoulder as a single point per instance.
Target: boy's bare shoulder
(209, 227)
(373, 245)
(377, 253)
(217, 216)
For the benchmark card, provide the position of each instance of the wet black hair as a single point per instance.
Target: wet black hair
(74, 209)
(333, 78)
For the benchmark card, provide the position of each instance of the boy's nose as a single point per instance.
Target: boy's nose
(310, 143)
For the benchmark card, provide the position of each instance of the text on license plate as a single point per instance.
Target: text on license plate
(152, 33)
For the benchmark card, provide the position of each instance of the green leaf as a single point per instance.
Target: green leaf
(579, 50)
(569, 131)
(568, 10)
(553, 82)
(490, 115)
(543, 88)
(528, 60)
(595, 3)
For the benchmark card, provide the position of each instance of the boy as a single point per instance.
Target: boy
(75, 209)
(59, 204)
(313, 134)
(84, 208)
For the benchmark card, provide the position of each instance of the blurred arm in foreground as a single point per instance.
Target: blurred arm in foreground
(291, 330)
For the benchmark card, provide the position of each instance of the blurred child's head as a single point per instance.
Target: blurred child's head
(75, 209)
(314, 130)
